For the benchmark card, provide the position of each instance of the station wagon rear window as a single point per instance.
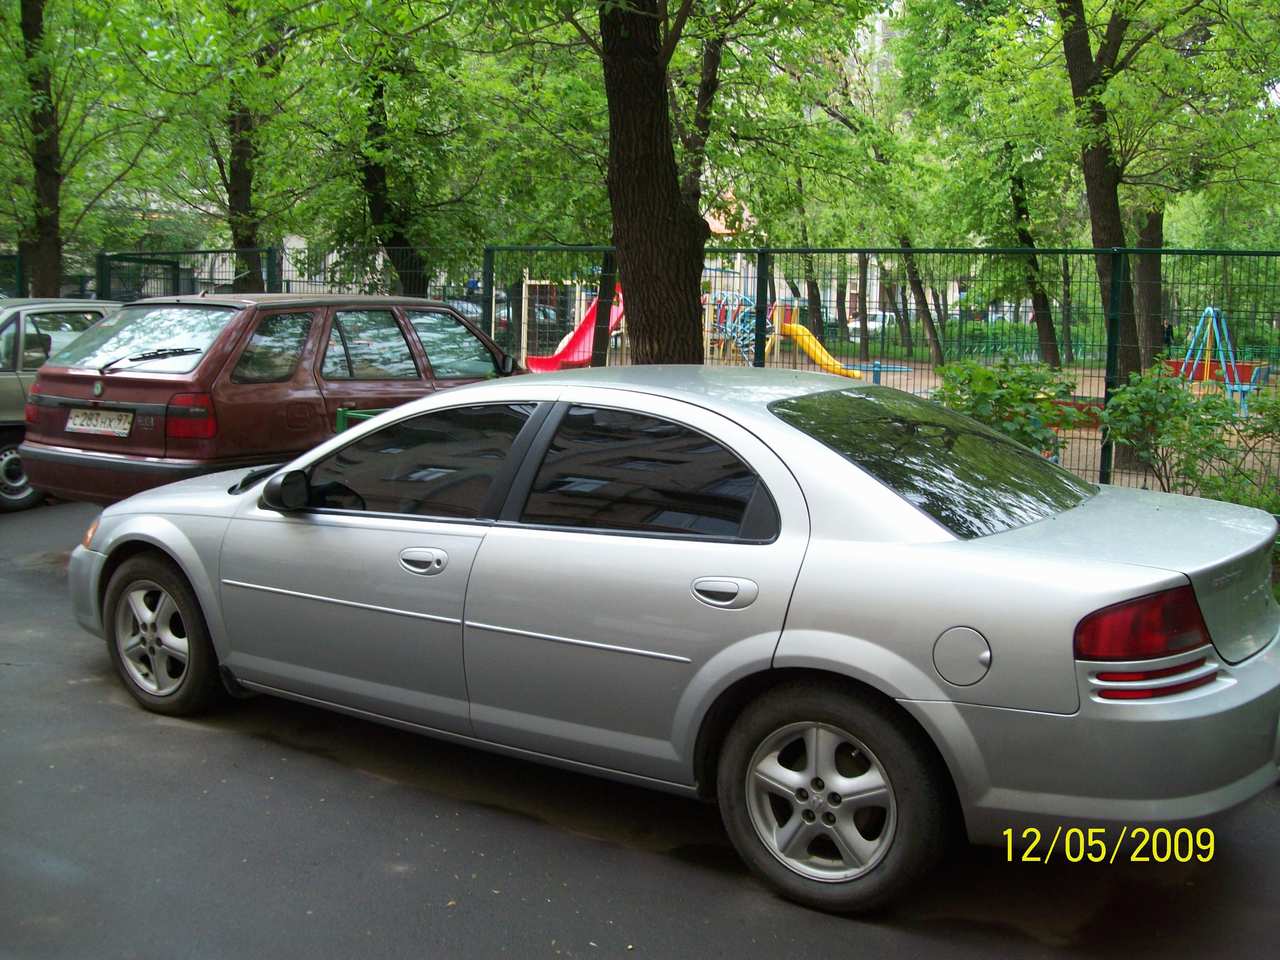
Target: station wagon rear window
(964, 475)
(159, 338)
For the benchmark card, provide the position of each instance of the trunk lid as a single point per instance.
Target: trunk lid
(1223, 549)
(62, 397)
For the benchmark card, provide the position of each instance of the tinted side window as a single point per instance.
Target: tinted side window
(969, 478)
(615, 470)
(272, 353)
(452, 350)
(439, 464)
(367, 345)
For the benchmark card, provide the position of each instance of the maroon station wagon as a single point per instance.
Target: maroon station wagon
(173, 387)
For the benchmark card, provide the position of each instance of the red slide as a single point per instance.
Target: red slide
(576, 351)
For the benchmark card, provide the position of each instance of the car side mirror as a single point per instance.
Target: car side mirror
(507, 365)
(286, 492)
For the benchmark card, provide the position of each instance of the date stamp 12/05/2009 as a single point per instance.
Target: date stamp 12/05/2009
(1103, 845)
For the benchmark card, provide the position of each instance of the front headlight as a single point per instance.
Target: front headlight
(87, 540)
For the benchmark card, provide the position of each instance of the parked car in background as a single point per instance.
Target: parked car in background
(548, 328)
(31, 330)
(855, 618)
(875, 321)
(173, 387)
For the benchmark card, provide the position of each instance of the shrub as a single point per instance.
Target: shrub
(1028, 403)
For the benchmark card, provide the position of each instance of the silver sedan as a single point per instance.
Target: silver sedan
(850, 616)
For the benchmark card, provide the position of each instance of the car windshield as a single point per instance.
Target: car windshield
(147, 330)
(966, 476)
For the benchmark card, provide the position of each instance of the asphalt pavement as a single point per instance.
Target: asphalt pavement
(272, 829)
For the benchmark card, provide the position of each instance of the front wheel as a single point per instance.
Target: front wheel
(830, 797)
(157, 637)
(15, 488)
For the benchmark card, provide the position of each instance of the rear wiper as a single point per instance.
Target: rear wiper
(151, 355)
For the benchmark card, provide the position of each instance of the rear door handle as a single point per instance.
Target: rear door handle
(424, 561)
(728, 593)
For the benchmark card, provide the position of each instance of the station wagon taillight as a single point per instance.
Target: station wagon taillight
(30, 412)
(190, 416)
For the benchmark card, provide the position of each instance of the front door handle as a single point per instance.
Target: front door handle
(424, 561)
(728, 593)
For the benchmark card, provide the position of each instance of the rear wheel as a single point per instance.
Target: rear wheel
(15, 488)
(831, 798)
(157, 637)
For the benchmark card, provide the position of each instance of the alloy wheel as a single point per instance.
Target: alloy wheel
(152, 638)
(820, 801)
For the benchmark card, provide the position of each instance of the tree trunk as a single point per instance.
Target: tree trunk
(1098, 163)
(389, 220)
(864, 334)
(1150, 282)
(813, 297)
(1041, 309)
(242, 123)
(939, 311)
(45, 244)
(1068, 351)
(695, 142)
(900, 314)
(658, 236)
(922, 303)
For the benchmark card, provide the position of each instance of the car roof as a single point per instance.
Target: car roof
(242, 300)
(737, 389)
(19, 302)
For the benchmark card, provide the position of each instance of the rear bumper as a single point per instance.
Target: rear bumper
(97, 477)
(1176, 761)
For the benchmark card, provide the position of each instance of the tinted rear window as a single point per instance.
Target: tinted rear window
(142, 329)
(967, 477)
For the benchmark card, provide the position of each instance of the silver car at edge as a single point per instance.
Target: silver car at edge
(850, 616)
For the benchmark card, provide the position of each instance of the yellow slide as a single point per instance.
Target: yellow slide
(807, 342)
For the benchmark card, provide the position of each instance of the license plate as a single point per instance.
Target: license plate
(107, 423)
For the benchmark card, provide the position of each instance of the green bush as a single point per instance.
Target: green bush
(1199, 445)
(1028, 403)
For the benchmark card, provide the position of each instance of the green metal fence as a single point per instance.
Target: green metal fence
(12, 280)
(892, 315)
(896, 315)
(414, 272)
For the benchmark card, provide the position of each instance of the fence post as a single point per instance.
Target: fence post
(486, 293)
(103, 281)
(764, 267)
(20, 275)
(273, 270)
(604, 310)
(1119, 277)
(524, 316)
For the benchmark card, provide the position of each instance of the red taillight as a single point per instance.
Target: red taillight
(1150, 693)
(1157, 625)
(29, 412)
(190, 416)
(1136, 676)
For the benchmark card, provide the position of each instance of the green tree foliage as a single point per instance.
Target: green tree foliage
(1029, 403)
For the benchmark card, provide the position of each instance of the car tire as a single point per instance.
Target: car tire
(157, 637)
(780, 779)
(15, 489)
